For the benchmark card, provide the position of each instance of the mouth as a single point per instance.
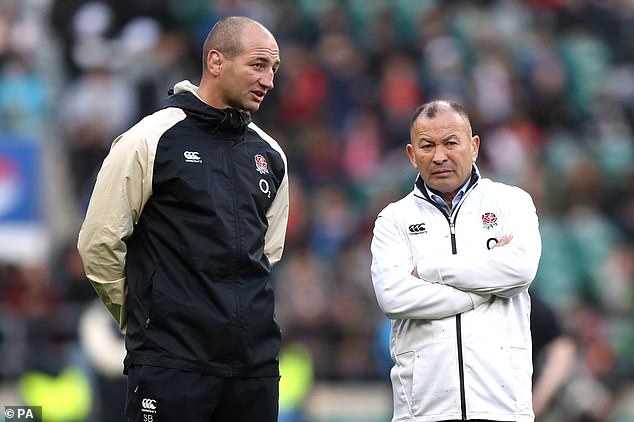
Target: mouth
(441, 172)
(259, 95)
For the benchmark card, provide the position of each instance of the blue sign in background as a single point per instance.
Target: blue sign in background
(20, 195)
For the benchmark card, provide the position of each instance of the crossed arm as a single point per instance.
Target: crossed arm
(452, 284)
(400, 294)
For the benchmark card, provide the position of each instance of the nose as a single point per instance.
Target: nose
(440, 155)
(267, 80)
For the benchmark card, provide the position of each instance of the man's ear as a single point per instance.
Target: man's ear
(475, 140)
(410, 153)
(214, 62)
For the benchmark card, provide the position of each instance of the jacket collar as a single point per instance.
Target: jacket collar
(185, 96)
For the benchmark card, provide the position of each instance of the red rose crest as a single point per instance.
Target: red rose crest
(489, 220)
(261, 165)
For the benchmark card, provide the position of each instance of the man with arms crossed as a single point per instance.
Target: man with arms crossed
(451, 266)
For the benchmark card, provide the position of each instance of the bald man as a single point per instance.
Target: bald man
(187, 216)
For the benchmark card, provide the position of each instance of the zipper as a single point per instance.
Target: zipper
(463, 396)
(454, 251)
(236, 337)
(451, 219)
(452, 231)
(148, 316)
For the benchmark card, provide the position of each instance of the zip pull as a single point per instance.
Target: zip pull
(452, 230)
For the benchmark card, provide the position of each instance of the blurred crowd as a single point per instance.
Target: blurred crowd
(550, 88)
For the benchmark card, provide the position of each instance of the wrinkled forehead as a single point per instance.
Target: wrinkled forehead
(445, 120)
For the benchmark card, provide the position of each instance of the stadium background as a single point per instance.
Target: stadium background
(550, 84)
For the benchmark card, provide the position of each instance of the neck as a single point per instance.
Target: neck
(206, 93)
(446, 196)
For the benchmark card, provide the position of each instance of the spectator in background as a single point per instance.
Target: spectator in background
(103, 343)
(23, 97)
(553, 354)
(187, 216)
(96, 106)
(451, 265)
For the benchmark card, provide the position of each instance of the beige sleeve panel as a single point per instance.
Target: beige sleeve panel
(123, 187)
(277, 215)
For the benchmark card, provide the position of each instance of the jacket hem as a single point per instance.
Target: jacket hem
(217, 370)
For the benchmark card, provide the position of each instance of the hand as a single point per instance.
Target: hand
(415, 273)
(504, 240)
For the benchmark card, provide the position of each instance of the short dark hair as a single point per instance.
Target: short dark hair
(226, 36)
(431, 108)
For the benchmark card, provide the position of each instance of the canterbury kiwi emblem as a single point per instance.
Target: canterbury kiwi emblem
(417, 228)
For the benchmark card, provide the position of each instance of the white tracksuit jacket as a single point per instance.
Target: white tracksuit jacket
(460, 337)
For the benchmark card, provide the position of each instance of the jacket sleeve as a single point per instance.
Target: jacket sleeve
(277, 216)
(401, 295)
(503, 271)
(123, 186)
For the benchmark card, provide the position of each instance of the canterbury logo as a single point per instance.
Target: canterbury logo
(417, 228)
(192, 157)
(149, 404)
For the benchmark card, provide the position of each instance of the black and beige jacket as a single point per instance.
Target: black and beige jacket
(187, 216)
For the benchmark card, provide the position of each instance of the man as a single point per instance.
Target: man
(452, 262)
(554, 355)
(187, 216)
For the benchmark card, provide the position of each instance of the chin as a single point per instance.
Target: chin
(441, 187)
(251, 107)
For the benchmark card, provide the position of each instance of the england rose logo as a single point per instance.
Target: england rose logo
(489, 220)
(261, 165)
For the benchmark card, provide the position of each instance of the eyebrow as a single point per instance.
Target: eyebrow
(263, 58)
(452, 136)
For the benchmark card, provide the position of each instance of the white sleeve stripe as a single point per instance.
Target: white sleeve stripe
(265, 136)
